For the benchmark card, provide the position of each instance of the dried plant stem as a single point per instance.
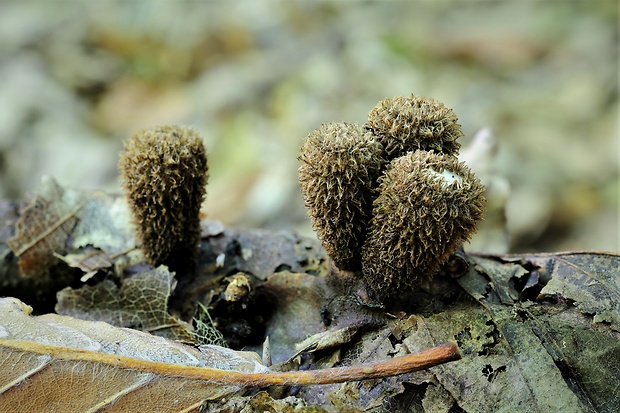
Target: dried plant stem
(399, 365)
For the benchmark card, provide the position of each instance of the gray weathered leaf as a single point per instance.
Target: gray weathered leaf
(549, 349)
(140, 302)
(590, 280)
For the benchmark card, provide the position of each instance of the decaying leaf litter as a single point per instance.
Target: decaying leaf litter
(510, 316)
(515, 321)
(91, 366)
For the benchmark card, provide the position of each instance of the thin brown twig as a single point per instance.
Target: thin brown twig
(400, 365)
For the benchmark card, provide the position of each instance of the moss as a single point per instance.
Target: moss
(164, 172)
(428, 205)
(340, 163)
(405, 124)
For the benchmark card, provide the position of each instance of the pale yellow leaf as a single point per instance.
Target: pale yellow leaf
(59, 363)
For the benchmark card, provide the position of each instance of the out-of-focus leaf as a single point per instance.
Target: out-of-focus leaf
(140, 302)
(211, 228)
(57, 363)
(44, 227)
(59, 220)
(263, 253)
(481, 155)
(90, 260)
(104, 223)
(10, 277)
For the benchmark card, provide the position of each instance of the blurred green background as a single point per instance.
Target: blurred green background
(255, 77)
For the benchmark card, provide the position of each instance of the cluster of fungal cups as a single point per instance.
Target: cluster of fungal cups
(389, 200)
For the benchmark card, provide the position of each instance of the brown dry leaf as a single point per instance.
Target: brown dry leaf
(60, 363)
(60, 220)
(44, 227)
(57, 363)
(140, 302)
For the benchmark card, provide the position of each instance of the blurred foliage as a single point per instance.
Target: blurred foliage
(256, 77)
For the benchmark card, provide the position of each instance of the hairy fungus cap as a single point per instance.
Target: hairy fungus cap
(428, 205)
(340, 163)
(164, 173)
(406, 124)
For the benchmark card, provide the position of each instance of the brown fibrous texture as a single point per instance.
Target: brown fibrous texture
(428, 205)
(340, 164)
(405, 124)
(164, 172)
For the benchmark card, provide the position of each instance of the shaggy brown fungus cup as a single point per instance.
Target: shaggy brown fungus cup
(405, 124)
(340, 163)
(428, 205)
(164, 173)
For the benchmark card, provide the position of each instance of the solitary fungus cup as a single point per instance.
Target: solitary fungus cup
(428, 205)
(340, 163)
(164, 172)
(405, 124)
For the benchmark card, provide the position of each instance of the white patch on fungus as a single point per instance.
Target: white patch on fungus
(448, 176)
